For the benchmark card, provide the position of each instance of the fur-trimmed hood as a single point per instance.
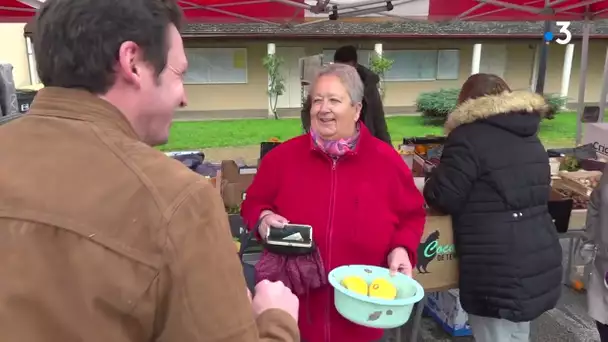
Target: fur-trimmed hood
(517, 102)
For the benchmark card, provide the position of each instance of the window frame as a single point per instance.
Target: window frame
(436, 67)
(217, 82)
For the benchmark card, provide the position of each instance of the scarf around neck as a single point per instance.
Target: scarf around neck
(335, 148)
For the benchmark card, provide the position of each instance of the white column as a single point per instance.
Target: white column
(271, 50)
(31, 61)
(567, 70)
(535, 59)
(604, 91)
(476, 62)
(378, 49)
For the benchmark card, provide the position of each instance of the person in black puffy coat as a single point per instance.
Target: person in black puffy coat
(494, 180)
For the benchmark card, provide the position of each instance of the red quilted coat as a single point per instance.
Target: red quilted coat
(360, 207)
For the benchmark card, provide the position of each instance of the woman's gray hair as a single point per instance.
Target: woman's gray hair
(348, 76)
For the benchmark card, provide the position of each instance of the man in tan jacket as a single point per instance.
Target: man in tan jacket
(103, 238)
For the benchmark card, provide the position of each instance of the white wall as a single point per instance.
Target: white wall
(14, 51)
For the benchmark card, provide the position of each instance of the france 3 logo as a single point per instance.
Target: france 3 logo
(565, 34)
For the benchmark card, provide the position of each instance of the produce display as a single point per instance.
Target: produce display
(379, 287)
(582, 182)
(579, 201)
(592, 181)
(431, 153)
(195, 161)
(569, 163)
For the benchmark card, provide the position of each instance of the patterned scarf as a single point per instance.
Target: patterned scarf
(335, 148)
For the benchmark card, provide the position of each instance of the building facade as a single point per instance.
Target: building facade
(226, 77)
(226, 60)
(14, 51)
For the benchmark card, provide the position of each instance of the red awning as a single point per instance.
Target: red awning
(297, 11)
(14, 10)
(194, 10)
(517, 10)
(242, 11)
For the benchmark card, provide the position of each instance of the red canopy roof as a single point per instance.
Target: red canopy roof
(282, 11)
(517, 10)
(13, 10)
(194, 10)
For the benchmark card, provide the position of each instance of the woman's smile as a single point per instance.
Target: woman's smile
(327, 120)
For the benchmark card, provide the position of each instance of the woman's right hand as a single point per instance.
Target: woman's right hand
(270, 220)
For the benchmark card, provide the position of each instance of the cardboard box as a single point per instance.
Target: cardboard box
(437, 267)
(596, 134)
(560, 209)
(444, 307)
(421, 167)
(235, 181)
(576, 217)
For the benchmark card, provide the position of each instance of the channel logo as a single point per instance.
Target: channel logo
(565, 35)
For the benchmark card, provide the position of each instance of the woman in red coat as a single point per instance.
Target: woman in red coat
(353, 189)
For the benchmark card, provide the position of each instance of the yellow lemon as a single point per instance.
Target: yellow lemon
(382, 288)
(355, 284)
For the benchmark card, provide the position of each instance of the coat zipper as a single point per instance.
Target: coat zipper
(329, 235)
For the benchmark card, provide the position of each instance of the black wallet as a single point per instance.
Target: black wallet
(292, 239)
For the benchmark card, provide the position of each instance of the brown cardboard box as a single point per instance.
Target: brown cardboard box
(437, 268)
(235, 182)
(578, 217)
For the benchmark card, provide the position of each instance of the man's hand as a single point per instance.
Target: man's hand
(275, 295)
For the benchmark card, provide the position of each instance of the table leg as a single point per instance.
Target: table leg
(571, 256)
(417, 320)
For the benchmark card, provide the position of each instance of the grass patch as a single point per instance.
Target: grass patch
(559, 132)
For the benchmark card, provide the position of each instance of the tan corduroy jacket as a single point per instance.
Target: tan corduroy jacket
(105, 239)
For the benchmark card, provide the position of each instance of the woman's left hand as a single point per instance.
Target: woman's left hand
(399, 261)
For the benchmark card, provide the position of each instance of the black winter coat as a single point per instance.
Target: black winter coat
(494, 180)
(372, 113)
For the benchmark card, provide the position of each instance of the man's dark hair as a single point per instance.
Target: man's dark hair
(346, 54)
(76, 42)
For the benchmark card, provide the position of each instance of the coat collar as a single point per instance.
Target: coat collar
(487, 106)
(78, 104)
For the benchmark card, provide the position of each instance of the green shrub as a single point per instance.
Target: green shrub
(556, 103)
(436, 105)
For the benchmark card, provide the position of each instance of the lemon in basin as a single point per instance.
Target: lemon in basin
(355, 284)
(382, 288)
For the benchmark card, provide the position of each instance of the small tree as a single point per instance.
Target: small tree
(380, 65)
(276, 82)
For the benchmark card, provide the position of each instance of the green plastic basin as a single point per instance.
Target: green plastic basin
(375, 312)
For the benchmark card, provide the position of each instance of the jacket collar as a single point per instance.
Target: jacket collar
(487, 106)
(78, 104)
